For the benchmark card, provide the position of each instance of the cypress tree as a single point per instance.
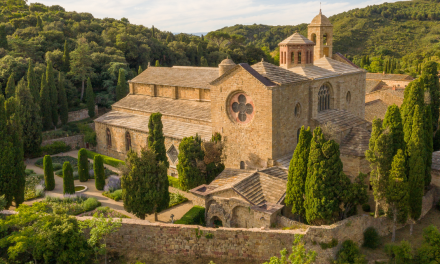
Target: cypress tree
(140, 70)
(3, 39)
(83, 165)
(66, 58)
(45, 105)
(427, 127)
(32, 83)
(416, 162)
(397, 191)
(153, 34)
(157, 63)
(298, 174)
(64, 109)
(53, 92)
(413, 96)
(393, 122)
(68, 183)
(98, 169)
(90, 98)
(145, 184)
(431, 84)
(49, 178)
(10, 87)
(29, 112)
(39, 22)
(121, 87)
(199, 53)
(190, 151)
(156, 139)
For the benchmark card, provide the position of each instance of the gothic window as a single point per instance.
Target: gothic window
(299, 57)
(348, 97)
(109, 138)
(324, 39)
(242, 166)
(298, 110)
(127, 141)
(173, 154)
(324, 98)
(314, 37)
(242, 108)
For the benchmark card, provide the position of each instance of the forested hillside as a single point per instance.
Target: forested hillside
(98, 48)
(406, 32)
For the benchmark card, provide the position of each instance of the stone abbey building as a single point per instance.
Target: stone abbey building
(258, 109)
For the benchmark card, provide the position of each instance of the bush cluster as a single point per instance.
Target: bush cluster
(366, 208)
(371, 238)
(195, 216)
(55, 148)
(116, 195)
(174, 182)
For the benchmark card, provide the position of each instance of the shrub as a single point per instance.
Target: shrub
(174, 182)
(349, 253)
(68, 184)
(113, 184)
(83, 165)
(91, 204)
(401, 253)
(98, 169)
(333, 243)
(29, 171)
(371, 238)
(71, 127)
(59, 173)
(176, 198)
(55, 148)
(48, 173)
(107, 160)
(366, 208)
(60, 160)
(116, 195)
(195, 216)
(57, 166)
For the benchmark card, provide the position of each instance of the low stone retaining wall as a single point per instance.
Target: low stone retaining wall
(72, 141)
(80, 114)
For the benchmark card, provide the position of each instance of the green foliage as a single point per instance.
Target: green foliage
(49, 179)
(116, 195)
(6, 155)
(190, 151)
(81, 63)
(366, 208)
(298, 174)
(121, 88)
(176, 199)
(429, 144)
(393, 122)
(299, 254)
(55, 148)
(144, 184)
(45, 104)
(62, 100)
(401, 253)
(10, 87)
(157, 64)
(50, 78)
(98, 169)
(156, 139)
(68, 184)
(413, 96)
(32, 83)
(350, 253)
(436, 142)
(107, 160)
(431, 84)
(90, 204)
(352, 194)
(3, 39)
(429, 252)
(371, 238)
(333, 243)
(66, 58)
(90, 97)
(140, 70)
(83, 165)
(174, 182)
(195, 216)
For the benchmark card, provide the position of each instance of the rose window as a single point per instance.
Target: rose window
(242, 108)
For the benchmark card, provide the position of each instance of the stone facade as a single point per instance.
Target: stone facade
(79, 115)
(73, 141)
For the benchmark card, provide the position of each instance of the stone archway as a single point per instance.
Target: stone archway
(215, 221)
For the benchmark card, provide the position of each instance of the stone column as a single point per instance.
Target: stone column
(153, 90)
(303, 56)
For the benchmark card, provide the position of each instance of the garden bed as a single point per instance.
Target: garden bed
(72, 204)
(107, 160)
(104, 212)
(58, 159)
(34, 186)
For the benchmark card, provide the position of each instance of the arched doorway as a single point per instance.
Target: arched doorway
(216, 222)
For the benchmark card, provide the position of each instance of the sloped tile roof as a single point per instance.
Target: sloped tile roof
(346, 60)
(277, 74)
(193, 77)
(228, 177)
(340, 119)
(336, 66)
(394, 77)
(355, 142)
(373, 85)
(167, 106)
(376, 108)
(265, 81)
(171, 128)
(284, 162)
(276, 172)
(296, 39)
(260, 188)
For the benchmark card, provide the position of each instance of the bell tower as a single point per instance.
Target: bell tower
(321, 32)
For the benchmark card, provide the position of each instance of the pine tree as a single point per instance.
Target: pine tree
(32, 83)
(39, 22)
(49, 179)
(393, 122)
(430, 80)
(156, 139)
(323, 177)
(98, 169)
(416, 164)
(53, 92)
(190, 151)
(157, 63)
(427, 127)
(140, 70)
(83, 165)
(62, 100)
(153, 34)
(68, 183)
(29, 112)
(81, 63)
(397, 191)
(121, 90)
(10, 87)
(66, 58)
(45, 105)
(90, 98)
(199, 53)
(145, 184)
(298, 174)
(3, 39)
(202, 38)
(413, 96)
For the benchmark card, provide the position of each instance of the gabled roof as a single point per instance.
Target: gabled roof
(277, 74)
(336, 66)
(340, 119)
(250, 70)
(192, 77)
(356, 142)
(296, 39)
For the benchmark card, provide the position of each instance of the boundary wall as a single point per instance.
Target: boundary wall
(72, 141)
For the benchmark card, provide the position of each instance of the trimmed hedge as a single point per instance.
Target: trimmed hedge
(195, 216)
(371, 238)
(55, 148)
(107, 160)
(173, 182)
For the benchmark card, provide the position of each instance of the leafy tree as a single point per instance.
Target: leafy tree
(203, 62)
(66, 58)
(429, 252)
(62, 100)
(140, 70)
(10, 87)
(39, 22)
(431, 84)
(68, 183)
(157, 63)
(156, 139)
(413, 96)
(83, 165)
(416, 163)
(298, 174)
(3, 39)
(429, 144)
(352, 194)
(98, 169)
(32, 83)
(299, 254)
(49, 179)
(144, 184)
(190, 153)
(90, 98)
(81, 63)
(400, 253)
(397, 190)
(121, 88)
(350, 253)
(53, 92)
(29, 112)
(45, 104)
(393, 122)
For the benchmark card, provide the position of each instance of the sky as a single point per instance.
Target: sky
(195, 16)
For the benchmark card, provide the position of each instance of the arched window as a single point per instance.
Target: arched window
(292, 57)
(127, 141)
(109, 138)
(314, 37)
(242, 166)
(324, 98)
(348, 97)
(324, 39)
(297, 135)
(299, 57)
(298, 110)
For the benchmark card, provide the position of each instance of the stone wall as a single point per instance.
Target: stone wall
(80, 114)
(386, 96)
(72, 141)
(353, 165)
(175, 92)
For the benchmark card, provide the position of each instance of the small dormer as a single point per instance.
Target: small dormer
(295, 51)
